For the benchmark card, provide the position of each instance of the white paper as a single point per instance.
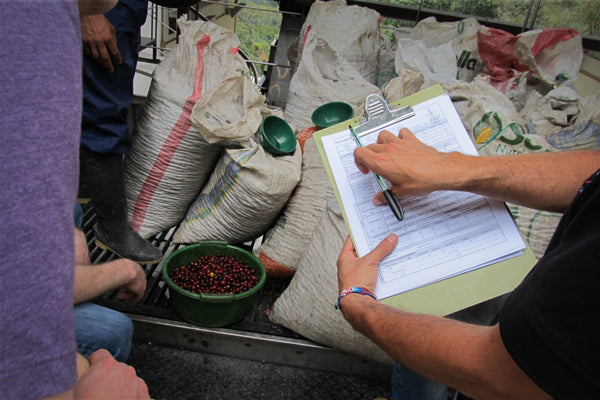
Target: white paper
(443, 234)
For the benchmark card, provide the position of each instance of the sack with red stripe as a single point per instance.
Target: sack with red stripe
(170, 160)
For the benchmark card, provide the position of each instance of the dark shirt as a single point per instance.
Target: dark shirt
(550, 324)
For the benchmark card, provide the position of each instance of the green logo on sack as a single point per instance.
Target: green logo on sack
(464, 61)
(489, 127)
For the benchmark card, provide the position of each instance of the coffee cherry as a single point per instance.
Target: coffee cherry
(218, 274)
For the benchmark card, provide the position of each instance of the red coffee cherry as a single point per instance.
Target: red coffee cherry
(218, 274)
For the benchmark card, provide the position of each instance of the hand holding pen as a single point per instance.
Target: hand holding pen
(391, 199)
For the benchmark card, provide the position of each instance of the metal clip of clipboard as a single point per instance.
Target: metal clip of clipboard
(378, 115)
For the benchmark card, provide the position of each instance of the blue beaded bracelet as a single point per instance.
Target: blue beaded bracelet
(358, 290)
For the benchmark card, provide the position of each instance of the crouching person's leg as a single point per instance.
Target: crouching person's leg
(408, 385)
(98, 327)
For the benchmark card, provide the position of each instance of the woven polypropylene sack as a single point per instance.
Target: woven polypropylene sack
(284, 245)
(461, 36)
(169, 160)
(243, 196)
(323, 76)
(231, 113)
(306, 305)
(353, 31)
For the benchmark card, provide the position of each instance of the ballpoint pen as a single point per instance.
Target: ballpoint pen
(387, 193)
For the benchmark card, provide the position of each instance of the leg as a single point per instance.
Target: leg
(105, 137)
(98, 327)
(408, 385)
(106, 187)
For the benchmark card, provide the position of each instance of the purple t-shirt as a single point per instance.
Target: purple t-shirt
(40, 115)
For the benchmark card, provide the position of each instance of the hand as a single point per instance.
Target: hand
(100, 40)
(412, 167)
(135, 287)
(362, 272)
(106, 378)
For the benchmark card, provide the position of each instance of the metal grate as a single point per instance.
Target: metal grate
(155, 302)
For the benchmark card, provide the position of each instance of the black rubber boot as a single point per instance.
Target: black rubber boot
(103, 175)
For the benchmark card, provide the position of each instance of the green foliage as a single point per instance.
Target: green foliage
(581, 15)
(481, 8)
(513, 11)
(258, 29)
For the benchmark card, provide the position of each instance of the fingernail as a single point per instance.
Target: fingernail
(378, 202)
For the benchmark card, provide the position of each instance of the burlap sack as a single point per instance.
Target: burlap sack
(170, 160)
(306, 306)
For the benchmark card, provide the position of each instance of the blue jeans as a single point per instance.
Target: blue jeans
(108, 95)
(98, 327)
(408, 385)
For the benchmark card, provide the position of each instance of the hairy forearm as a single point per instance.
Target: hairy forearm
(469, 358)
(94, 280)
(545, 181)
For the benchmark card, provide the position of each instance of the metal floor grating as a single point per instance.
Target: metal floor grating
(155, 302)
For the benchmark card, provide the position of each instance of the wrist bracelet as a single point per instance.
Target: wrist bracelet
(353, 289)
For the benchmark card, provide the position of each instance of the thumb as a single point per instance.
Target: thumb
(384, 248)
(98, 356)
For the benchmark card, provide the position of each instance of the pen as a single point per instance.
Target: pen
(387, 193)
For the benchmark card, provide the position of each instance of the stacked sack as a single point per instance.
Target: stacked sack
(339, 52)
(196, 140)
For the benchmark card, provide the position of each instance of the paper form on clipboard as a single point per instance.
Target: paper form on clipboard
(444, 234)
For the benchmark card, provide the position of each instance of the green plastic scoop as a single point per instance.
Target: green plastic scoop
(331, 113)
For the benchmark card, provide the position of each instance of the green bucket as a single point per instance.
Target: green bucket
(211, 310)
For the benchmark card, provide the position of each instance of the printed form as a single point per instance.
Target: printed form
(443, 234)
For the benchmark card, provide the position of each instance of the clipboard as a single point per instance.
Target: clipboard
(454, 293)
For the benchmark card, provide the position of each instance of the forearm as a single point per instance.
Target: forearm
(94, 280)
(469, 358)
(545, 181)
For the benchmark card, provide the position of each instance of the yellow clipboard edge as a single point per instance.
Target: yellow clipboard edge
(460, 291)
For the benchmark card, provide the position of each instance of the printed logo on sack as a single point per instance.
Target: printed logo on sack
(489, 127)
(464, 61)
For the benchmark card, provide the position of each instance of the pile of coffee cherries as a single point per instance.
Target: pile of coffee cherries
(216, 274)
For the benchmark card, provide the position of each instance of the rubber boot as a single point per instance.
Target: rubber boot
(105, 185)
